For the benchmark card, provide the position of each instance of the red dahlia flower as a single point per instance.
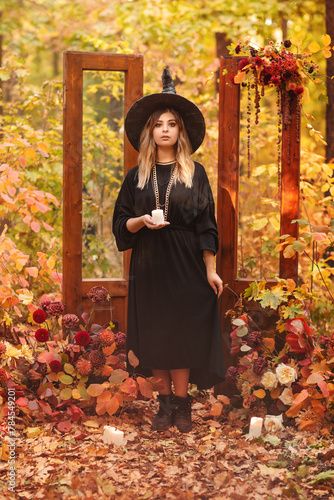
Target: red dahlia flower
(39, 316)
(42, 335)
(55, 365)
(82, 338)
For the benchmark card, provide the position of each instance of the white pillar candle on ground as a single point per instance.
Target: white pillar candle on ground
(255, 427)
(111, 435)
(158, 216)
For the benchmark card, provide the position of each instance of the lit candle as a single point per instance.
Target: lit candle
(158, 216)
(255, 427)
(111, 435)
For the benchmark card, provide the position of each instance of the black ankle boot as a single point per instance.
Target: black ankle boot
(164, 417)
(182, 413)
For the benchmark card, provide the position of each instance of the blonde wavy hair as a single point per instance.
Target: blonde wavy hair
(185, 166)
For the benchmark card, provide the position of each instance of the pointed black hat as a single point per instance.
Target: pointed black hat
(141, 110)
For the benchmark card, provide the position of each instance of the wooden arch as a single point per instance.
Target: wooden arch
(228, 188)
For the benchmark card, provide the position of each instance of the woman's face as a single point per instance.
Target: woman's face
(166, 130)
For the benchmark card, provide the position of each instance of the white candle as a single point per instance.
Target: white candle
(111, 435)
(255, 427)
(158, 216)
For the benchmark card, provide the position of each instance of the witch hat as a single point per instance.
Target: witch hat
(141, 110)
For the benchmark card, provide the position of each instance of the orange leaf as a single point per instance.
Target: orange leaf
(275, 393)
(269, 343)
(102, 401)
(314, 378)
(145, 387)
(35, 226)
(318, 407)
(133, 360)
(113, 405)
(105, 396)
(260, 393)
(112, 359)
(32, 271)
(307, 424)
(216, 409)
(223, 399)
(106, 371)
(120, 397)
(239, 77)
(95, 390)
(297, 404)
(324, 388)
(129, 386)
(109, 349)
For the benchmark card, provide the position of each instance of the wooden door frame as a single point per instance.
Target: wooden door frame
(228, 186)
(74, 288)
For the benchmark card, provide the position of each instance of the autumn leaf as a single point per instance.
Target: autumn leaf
(260, 393)
(95, 390)
(129, 386)
(133, 360)
(216, 409)
(145, 387)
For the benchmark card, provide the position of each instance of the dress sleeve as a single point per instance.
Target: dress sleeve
(124, 210)
(206, 225)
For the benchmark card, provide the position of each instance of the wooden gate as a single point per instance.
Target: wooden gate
(74, 287)
(228, 189)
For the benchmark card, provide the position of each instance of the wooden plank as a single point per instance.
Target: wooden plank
(134, 79)
(288, 268)
(116, 287)
(72, 182)
(228, 171)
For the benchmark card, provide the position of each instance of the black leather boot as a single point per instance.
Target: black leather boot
(182, 413)
(164, 417)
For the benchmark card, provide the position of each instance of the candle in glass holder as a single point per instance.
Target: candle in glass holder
(111, 435)
(158, 216)
(255, 427)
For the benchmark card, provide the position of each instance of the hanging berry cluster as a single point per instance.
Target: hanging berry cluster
(287, 72)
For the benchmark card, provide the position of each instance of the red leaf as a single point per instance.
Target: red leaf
(64, 426)
(323, 387)
(75, 413)
(22, 402)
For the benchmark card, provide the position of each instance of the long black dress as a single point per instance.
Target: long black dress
(173, 319)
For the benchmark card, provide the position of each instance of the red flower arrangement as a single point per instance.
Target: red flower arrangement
(39, 316)
(42, 335)
(277, 67)
(82, 338)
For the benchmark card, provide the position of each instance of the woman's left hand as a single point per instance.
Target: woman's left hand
(215, 282)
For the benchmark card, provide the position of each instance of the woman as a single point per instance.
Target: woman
(173, 321)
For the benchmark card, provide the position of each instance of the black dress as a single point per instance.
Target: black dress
(173, 319)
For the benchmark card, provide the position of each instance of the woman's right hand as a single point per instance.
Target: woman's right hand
(148, 222)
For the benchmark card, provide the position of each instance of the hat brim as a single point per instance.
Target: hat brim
(141, 110)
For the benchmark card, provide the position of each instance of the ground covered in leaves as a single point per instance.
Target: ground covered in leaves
(215, 460)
